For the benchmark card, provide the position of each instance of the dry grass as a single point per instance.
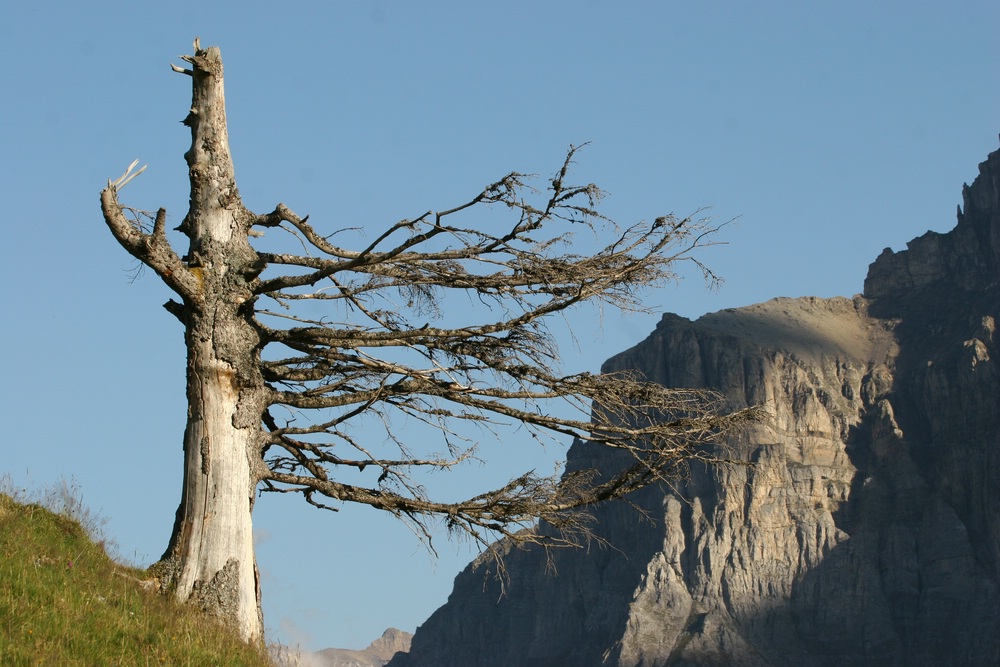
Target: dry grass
(63, 601)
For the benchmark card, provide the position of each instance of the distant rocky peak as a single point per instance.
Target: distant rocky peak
(390, 643)
(378, 653)
(966, 258)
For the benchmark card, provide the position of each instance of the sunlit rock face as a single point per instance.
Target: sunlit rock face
(866, 530)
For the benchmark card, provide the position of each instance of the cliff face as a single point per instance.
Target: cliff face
(867, 530)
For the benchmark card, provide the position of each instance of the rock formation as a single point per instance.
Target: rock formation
(866, 530)
(378, 653)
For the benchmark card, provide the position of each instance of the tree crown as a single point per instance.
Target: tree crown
(441, 320)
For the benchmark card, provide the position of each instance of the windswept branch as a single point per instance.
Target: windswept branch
(494, 367)
(561, 502)
(151, 248)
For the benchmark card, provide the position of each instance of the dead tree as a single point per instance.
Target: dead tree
(438, 318)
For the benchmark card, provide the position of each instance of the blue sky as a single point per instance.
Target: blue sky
(829, 130)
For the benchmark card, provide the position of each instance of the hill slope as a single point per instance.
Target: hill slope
(64, 602)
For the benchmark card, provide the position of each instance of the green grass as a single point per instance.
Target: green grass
(64, 602)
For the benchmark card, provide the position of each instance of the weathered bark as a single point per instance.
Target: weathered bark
(211, 552)
(210, 559)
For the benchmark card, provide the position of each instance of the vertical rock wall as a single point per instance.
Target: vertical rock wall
(866, 530)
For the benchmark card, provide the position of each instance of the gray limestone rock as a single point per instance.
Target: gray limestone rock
(866, 530)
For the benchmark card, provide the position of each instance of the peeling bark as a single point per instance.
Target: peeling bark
(210, 558)
(213, 537)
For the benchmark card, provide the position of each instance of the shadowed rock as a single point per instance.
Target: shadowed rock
(865, 532)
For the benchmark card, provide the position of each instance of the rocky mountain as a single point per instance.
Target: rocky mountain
(866, 529)
(378, 653)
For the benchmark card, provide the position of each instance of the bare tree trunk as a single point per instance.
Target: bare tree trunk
(210, 559)
(496, 367)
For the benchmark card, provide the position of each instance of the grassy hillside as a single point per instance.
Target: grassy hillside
(64, 602)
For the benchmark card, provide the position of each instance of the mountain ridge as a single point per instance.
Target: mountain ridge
(867, 530)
